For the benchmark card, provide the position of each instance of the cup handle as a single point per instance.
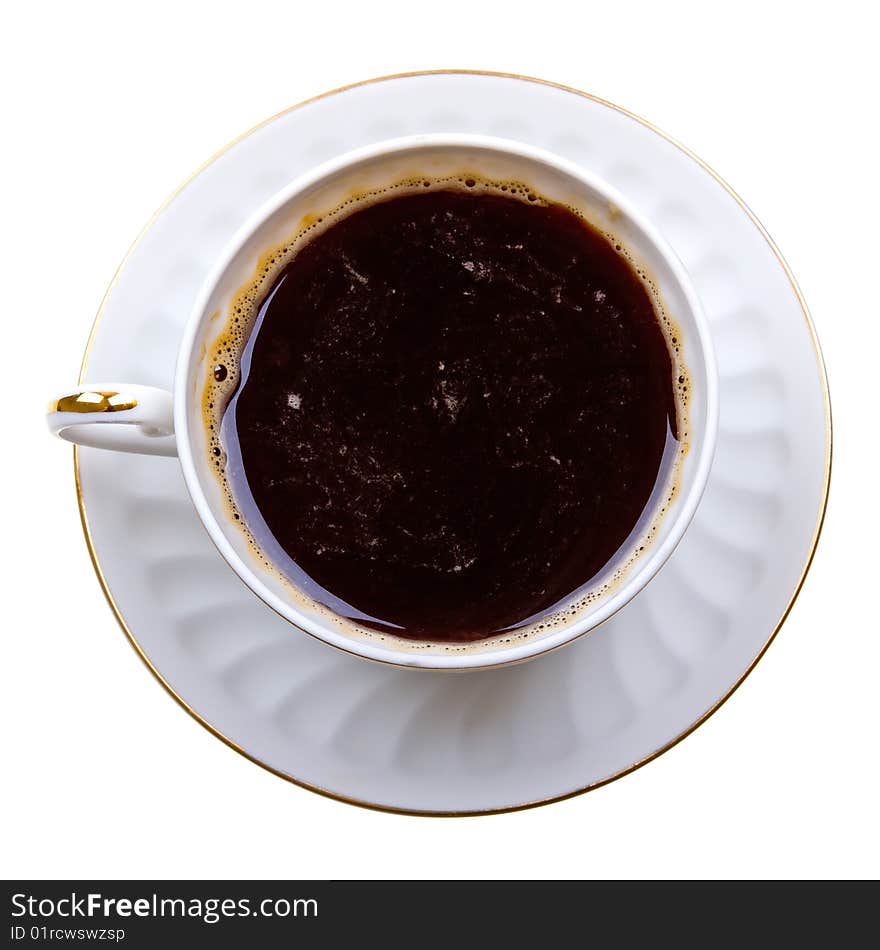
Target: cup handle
(117, 416)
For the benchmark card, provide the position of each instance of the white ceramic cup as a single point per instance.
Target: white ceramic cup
(133, 418)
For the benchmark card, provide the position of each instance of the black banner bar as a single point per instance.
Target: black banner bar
(162, 914)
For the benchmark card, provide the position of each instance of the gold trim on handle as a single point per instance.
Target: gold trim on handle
(823, 504)
(98, 401)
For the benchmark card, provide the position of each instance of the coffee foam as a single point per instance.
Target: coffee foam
(221, 368)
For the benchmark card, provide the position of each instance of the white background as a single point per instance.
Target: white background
(107, 107)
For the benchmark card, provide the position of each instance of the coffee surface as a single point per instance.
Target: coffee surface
(452, 411)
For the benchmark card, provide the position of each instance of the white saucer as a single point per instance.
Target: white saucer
(499, 739)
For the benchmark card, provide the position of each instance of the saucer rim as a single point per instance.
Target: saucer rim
(823, 379)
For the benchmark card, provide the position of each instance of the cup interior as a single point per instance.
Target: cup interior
(376, 170)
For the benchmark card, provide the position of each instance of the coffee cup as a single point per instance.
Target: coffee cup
(135, 418)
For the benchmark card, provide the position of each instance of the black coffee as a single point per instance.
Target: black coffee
(452, 410)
